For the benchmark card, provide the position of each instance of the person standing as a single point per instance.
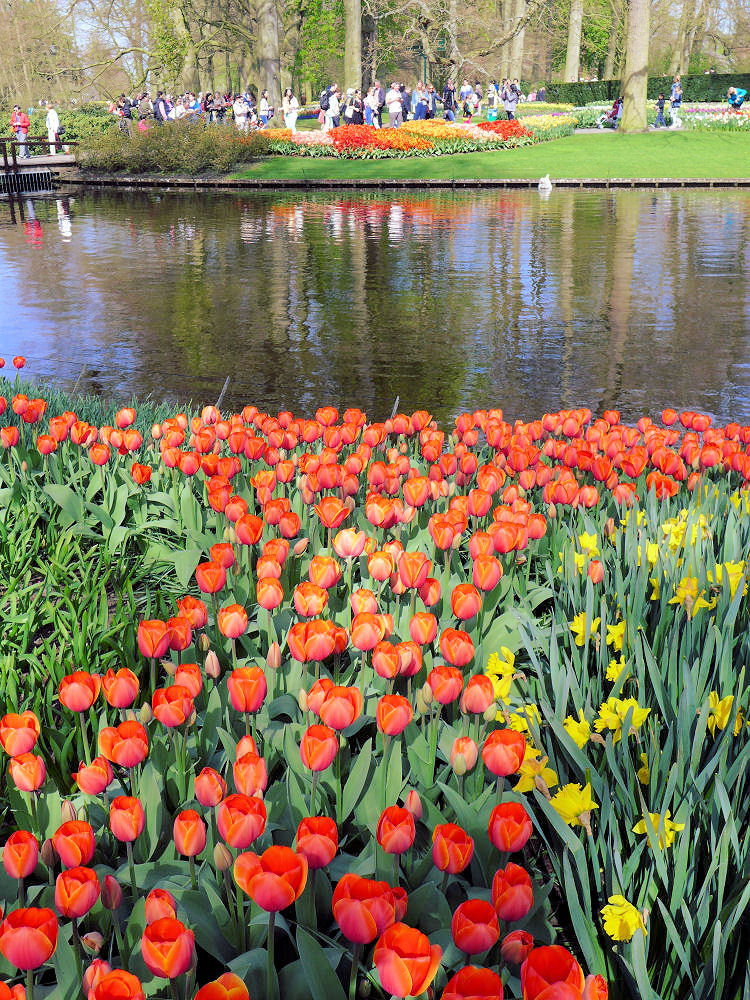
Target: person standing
(290, 107)
(395, 107)
(264, 108)
(240, 111)
(19, 123)
(371, 108)
(660, 123)
(432, 99)
(675, 102)
(380, 95)
(161, 112)
(53, 127)
(510, 99)
(449, 101)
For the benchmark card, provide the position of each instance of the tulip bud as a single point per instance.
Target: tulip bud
(192, 718)
(48, 853)
(421, 707)
(169, 668)
(490, 712)
(24, 466)
(300, 545)
(551, 511)
(93, 942)
(459, 765)
(111, 893)
(223, 859)
(226, 534)
(232, 535)
(609, 528)
(302, 699)
(212, 667)
(204, 643)
(145, 714)
(426, 693)
(413, 804)
(452, 488)
(273, 660)
(68, 811)
(364, 988)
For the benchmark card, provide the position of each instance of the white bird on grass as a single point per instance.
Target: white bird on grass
(545, 184)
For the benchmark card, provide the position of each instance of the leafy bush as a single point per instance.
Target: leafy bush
(181, 147)
(696, 87)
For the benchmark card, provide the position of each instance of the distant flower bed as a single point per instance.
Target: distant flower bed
(718, 120)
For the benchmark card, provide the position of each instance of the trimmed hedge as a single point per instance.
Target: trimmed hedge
(695, 87)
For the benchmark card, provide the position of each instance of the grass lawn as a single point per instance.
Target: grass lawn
(599, 155)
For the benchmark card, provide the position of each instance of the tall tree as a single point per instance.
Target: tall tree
(635, 79)
(573, 52)
(353, 44)
(268, 51)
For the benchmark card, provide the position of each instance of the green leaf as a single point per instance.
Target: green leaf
(356, 781)
(321, 978)
(185, 562)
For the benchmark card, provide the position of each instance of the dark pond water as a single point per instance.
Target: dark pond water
(629, 299)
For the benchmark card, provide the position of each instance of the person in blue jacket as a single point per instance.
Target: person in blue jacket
(736, 97)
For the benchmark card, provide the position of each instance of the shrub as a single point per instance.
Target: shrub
(695, 87)
(181, 147)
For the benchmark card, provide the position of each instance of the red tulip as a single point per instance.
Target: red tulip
(503, 751)
(512, 893)
(452, 848)
(241, 819)
(364, 908)
(478, 695)
(76, 891)
(474, 926)
(393, 714)
(167, 947)
(79, 690)
(445, 683)
(172, 705)
(274, 879)
(28, 937)
(120, 688)
(210, 788)
(472, 983)
(405, 961)
(19, 733)
(509, 827)
(180, 633)
(465, 601)
(317, 840)
(396, 830)
(74, 842)
(227, 987)
(341, 707)
(516, 946)
(20, 854)
(210, 577)
(189, 832)
(28, 772)
(551, 965)
(153, 638)
(125, 745)
(126, 818)
(318, 747)
(247, 688)
(160, 904)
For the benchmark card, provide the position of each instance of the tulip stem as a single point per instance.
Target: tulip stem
(338, 789)
(240, 917)
(500, 785)
(270, 992)
(444, 883)
(21, 892)
(34, 816)
(131, 866)
(153, 674)
(384, 779)
(173, 989)
(30, 984)
(122, 947)
(316, 774)
(395, 870)
(86, 751)
(192, 873)
(77, 950)
(355, 969)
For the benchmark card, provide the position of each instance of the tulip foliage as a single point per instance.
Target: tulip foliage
(367, 708)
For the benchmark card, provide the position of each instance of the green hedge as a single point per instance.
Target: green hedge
(695, 87)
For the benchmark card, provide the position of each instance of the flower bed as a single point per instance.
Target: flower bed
(718, 120)
(396, 709)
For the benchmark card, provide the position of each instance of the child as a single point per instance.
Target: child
(660, 123)
(467, 109)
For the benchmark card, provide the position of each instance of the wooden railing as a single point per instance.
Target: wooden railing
(10, 149)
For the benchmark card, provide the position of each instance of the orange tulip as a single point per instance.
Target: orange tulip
(478, 695)
(20, 854)
(423, 627)
(126, 818)
(172, 705)
(548, 966)
(28, 772)
(474, 926)
(189, 832)
(233, 621)
(250, 774)
(318, 747)
(74, 842)
(405, 961)
(269, 593)
(241, 819)
(19, 733)
(595, 988)
(9, 436)
(227, 987)
(486, 572)
(349, 543)
(194, 610)
(467, 748)
(367, 630)
(386, 660)
(28, 937)
(249, 529)
(452, 848)
(314, 640)
(93, 778)
(160, 903)
(317, 840)
(456, 647)
(167, 947)
(94, 975)
(446, 683)
(503, 751)
(210, 577)
(364, 908)
(189, 676)
(120, 688)
(380, 565)
(79, 690)
(516, 946)
(393, 714)
(180, 633)
(396, 830)
(512, 893)
(76, 891)
(247, 688)
(332, 512)
(210, 788)
(274, 879)
(510, 826)
(341, 707)
(153, 638)
(324, 571)
(473, 983)
(309, 599)
(413, 569)
(125, 745)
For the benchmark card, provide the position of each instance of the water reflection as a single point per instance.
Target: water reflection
(630, 299)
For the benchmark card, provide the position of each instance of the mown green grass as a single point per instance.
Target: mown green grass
(602, 155)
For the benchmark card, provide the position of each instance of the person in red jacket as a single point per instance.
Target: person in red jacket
(19, 123)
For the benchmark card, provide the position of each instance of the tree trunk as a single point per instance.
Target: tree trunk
(694, 37)
(352, 44)
(369, 50)
(678, 52)
(573, 52)
(452, 29)
(614, 34)
(516, 45)
(635, 80)
(268, 45)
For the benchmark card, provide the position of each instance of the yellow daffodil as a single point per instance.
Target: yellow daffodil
(719, 712)
(652, 553)
(578, 730)
(574, 804)
(532, 769)
(500, 671)
(613, 713)
(519, 721)
(614, 669)
(579, 561)
(655, 593)
(588, 545)
(667, 832)
(616, 635)
(687, 594)
(621, 919)
(640, 518)
(580, 628)
(735, 572)
(643, 772)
